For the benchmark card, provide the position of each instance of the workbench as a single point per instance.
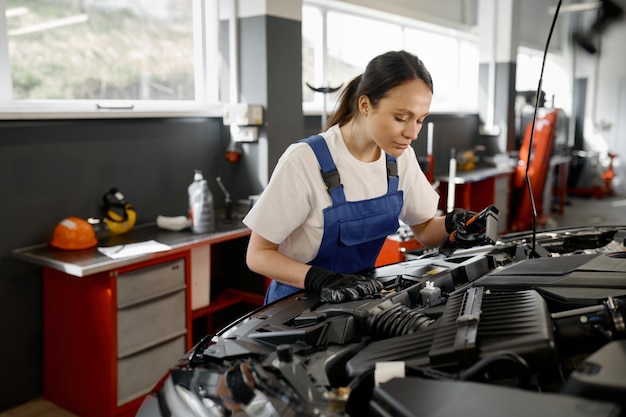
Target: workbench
(113, 327)
(478, 188)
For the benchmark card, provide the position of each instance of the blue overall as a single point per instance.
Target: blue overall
(354, 231)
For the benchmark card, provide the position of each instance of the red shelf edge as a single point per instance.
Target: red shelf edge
(223, 300)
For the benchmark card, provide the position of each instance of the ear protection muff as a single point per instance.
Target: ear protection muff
(119, 215)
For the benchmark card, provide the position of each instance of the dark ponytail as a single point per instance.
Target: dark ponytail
(346, 104)
(383, 73)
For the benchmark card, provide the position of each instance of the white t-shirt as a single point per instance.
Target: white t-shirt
(289, 212)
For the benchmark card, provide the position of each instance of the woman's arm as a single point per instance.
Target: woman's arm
(431, 232)
(264, 258)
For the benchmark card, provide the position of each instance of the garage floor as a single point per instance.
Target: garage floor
(579, 211)
(37, 408)
(591, 211)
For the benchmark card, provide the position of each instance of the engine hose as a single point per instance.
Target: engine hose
(524, 376)
(395, 320)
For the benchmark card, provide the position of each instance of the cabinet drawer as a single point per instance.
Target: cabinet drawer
(146, 283)
(137, 374)
(146, 324)
(200, 277)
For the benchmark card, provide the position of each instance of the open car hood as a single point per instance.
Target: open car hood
(488, 331)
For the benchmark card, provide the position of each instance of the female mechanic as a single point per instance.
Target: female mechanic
(333, 198)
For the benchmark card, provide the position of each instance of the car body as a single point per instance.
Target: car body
(530, 326)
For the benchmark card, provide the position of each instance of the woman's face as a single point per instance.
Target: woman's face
(397, 119)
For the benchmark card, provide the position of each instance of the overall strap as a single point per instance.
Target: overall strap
(328, 168)
(392, 174)
(331, 175)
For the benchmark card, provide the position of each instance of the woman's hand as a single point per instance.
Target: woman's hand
(337, 288)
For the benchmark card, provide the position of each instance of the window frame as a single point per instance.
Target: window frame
(206, 103)
(461, 37)
(206, 38)
(557, 82)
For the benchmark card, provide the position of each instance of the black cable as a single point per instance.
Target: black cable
(524, 374)
(512, 357)
(532, 132)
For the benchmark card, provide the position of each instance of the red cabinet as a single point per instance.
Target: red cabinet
(109, 337)
(112, 327)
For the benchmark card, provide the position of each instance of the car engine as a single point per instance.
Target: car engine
(533, 325)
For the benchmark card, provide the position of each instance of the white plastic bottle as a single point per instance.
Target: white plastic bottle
(201, 211)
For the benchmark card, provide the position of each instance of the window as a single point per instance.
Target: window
(556, 80)
(108, 54)
(453, 66)
(337, 45)
(162, 56)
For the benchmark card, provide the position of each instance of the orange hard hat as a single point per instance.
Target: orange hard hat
(73, 233)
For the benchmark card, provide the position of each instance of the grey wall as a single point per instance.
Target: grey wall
(270, 71)
(53, 169)
(271, 75)
(284, 86)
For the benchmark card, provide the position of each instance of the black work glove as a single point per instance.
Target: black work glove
(464, 233)
(336, 288)
(457, 218)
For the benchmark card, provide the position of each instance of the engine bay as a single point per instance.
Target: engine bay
(488, 331)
